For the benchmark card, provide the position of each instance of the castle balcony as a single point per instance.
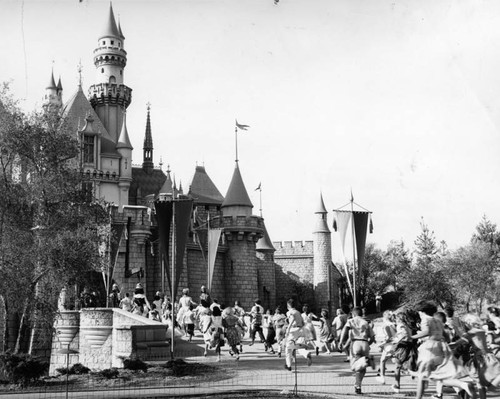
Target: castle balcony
(250, 226)
(110, 93)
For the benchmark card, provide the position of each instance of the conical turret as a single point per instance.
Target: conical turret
(53, 94)
(322, 250)
(237, 202)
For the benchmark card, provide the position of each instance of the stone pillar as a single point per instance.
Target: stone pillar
(96, 325)
(66, 336)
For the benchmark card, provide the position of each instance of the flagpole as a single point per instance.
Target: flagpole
(209, 283)
(236, 141)
(260, 197)
(173, 278)
(353, 253)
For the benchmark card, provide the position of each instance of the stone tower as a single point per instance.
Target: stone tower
(322, 250)
(147, 160)
(109, 96)
(242, 230)
(266, 267)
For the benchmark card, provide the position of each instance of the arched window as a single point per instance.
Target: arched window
(102, 70)
(112, 79)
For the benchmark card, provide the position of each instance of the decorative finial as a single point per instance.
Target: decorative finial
(148, 105)
(79, 69)
(168, 168)
(161, 163)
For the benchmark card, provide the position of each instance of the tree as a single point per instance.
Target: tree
(375, 277)
(48, 231)
(427, 278)
(471, 270)
(398, 260)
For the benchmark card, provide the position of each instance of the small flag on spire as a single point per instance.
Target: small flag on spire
(334, 224)
(371, 225)
(258, 188)
(241, 127)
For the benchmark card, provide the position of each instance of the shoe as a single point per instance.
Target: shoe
(381, 379)
(231, 353)
(265, 348)
(241, 348)
(317, 351)
(237, 357)
(205, 354)
(439, 396)
(272, 352)
(357, 391)
(309, 359)
(288, 368)
(395, 389)
(279, 354)
(250, 344)
(346, 360)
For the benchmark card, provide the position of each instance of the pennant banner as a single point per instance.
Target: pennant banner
(360, 230)
(164, 213)
(117, 230)
(213, 243)
(343, 219)
(182, 211)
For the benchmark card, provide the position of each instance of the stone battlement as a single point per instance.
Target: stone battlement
(291, 248)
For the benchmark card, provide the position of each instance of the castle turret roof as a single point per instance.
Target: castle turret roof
(124, 140)
(111, 29)
(265, 244)
(77, 107)
(59, 84)
(237, 193)
(168, 186)
(52, 82)
(321, 205)
(203, 190)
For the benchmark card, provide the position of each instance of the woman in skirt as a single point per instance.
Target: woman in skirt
(435, 359)
(233, 335)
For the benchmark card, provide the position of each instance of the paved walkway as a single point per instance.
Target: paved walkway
(257, 370)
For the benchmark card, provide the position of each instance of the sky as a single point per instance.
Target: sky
(398, 101)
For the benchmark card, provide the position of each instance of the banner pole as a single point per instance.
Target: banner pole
(353, 254)
(173, 279)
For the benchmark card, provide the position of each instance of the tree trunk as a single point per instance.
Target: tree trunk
(22, 326)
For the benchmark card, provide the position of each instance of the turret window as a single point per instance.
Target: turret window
(112, 79)
(112, 42)
(102, 70)
(88, 149)
(104, 42)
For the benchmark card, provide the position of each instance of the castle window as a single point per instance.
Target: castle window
(112, 42)
(88, 149)
(104, 42)
(119, 44)
(121, 72)
(112, 79)
(102, 70)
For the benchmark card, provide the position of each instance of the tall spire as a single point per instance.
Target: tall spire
(111, 30)
(124, 140)
(147, 162)
(52, 82)
(321, 221)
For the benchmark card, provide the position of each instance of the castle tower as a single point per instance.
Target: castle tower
(266, 267)
(242, 230)
(53, 94)
(124, 148)
(109, 96)
(322, 250)
(147, 160)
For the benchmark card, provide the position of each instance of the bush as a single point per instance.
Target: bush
(108, 373)
(135, 364)
(77, 368)
(22, 368)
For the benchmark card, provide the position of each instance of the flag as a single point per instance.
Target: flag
(241, 127)
(258, 188)
(213, 243)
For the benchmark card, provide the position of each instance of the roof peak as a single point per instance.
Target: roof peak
(237, 194)
(321, 206)
(52, 82)
(111, 28)
(124, 140)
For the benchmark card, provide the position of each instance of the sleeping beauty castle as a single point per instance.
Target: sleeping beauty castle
(237, 262)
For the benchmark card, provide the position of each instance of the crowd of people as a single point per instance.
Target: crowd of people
(462, 353)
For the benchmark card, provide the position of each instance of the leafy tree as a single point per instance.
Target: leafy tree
(472, 271)
(375, 276)
(398, 260)
(48, 232)
(427, 278)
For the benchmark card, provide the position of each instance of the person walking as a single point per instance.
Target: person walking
(232, 333)
(126, 303)
(325, 332)
(270, 332)
(386, 346)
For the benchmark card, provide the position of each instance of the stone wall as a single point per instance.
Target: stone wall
(266, 280)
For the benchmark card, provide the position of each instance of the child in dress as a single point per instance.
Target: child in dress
(483, 367)
(309, 330)
(270, 332)
(279, 321)
(403, 348)
(153, 314)
(189, 318)
(325, 332)
(386, 346)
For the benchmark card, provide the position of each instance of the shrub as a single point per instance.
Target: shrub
(135, 364)
(77, 368)
(22, 368)
(108, 373)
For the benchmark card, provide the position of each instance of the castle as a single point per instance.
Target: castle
(248, 264)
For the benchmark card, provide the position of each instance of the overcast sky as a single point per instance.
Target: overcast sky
(397, 100)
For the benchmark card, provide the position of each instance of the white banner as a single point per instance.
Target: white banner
(213, 243)
(343, 222)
